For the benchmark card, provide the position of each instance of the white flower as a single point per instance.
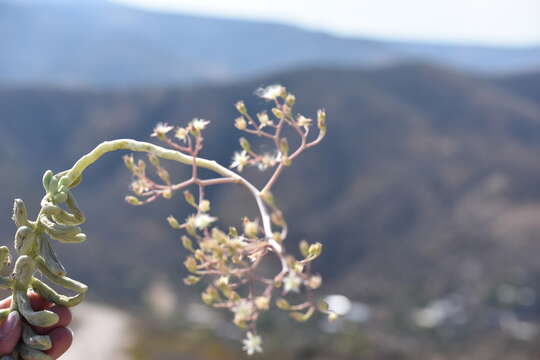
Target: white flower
(271, 92)
(202, 220)
(243, 310)
(161, 130)
(240, 159)
(264, 119)
(266, 161)
(252, 344)
(181, 133)
(303, 121)
(222, 281)
(237, 242)
(199, 124)
(292, 282)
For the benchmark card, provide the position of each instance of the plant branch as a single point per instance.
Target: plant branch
(138, 146)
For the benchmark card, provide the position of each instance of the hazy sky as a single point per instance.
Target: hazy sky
(500, 22)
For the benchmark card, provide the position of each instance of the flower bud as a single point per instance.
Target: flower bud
(164, 175)
(219, 236)
(199, 255)
(287, 110)
(188, 196)
(191, 264)
(187, 243)
(240, 123)
(204, 206)
(277, 218)
(132, 200)
(173, 222)
(241, 107)
(302, 317)
(262, 302)
(323, 306)
(304, 248)
(167, 193)
(190, 226)
(277, 113)
(128, 161)
(314, 282)
(315, 250)
(290, 100)
(240, 323)
(245, 144)
(233, 232)
(206, 298)
(284, 146)
(332, 317)
(321, 121)
(191, 280)
(230, 294)
(283, 304)
(268, 198)
(222, 282)
(251, 228)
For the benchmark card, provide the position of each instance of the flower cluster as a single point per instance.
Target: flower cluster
(272, 128)
(228, 260)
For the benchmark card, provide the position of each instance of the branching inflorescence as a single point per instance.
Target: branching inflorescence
(227, 260)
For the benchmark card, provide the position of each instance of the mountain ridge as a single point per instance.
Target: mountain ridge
(110, 45)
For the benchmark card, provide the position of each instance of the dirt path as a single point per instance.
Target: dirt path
(101, 332)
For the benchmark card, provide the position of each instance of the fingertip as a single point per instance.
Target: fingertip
(61, 339)
(10, 332)
(5, 303)
(64, 314)
(37, 301)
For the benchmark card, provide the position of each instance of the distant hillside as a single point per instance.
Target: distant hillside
(525, 84)
(426, 187)
(84, 43)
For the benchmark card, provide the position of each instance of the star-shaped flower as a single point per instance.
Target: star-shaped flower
(240, 160)
(292, 282)
(252, 344)
(271, 92)
(161, 130)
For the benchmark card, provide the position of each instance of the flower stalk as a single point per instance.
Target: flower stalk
(229, 260)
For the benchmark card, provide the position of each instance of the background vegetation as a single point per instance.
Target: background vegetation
(424, 194)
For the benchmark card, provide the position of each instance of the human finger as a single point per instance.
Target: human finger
(5, 303)
(61, 339)
(10, 332)
(64, 320)
(36, 301)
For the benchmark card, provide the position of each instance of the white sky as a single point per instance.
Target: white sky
(497, 22)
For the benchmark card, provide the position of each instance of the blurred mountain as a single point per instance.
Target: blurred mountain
(426, 188)
(102, 44)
